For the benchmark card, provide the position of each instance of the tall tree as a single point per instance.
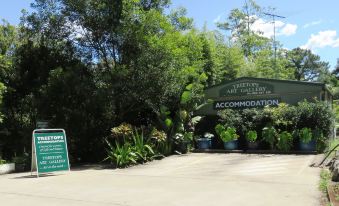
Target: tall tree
(306, 65)
(240, 22)
(335, 72)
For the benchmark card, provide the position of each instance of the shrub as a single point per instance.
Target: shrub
(305, 135)
(285, 117)
(230, 118)
(122, 156)
(2, 161)
(143, 150)
(269, 135)
(249, 120)
(285, 141)
(129, 152)
(158, 136)
(226, 135)
(122, 132)
(251, 136)
(318, 115)
(320, 139)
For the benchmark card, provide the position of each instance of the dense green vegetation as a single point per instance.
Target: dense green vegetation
(88, 66)
(279, 127)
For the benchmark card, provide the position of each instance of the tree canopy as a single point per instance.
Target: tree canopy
(90, 65)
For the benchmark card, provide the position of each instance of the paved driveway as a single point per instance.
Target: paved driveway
(193, 179)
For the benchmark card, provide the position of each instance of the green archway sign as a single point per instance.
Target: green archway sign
(49, 151)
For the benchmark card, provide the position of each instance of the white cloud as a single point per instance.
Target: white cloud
(313, 23)
(266, 29)
(289, 29)
(322, 39)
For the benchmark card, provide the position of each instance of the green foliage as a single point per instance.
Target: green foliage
(316, 115)
(122, 156)
(269, 135)
(226, 135)
(336, 110)
(285, 141)
(24, 159)
(129, 153)
(158, 136)
(88, 66)
(305, 135)
(325, 177)
(2, 161)
(251, 136)
(123, 131)
(306, 65)
(164, 148)
(230, 118)
(284, 116)
(143, 150)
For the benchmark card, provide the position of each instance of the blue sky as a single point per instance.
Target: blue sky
(311, 24)
(308, 24)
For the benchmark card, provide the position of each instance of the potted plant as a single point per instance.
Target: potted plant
(285, 141)
(306, 140)
(205, 141)
(228, 136)
(183, 141)
(251, 137)
(269, 135)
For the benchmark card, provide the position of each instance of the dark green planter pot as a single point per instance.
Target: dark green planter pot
(232, 145)
(252, 145)
(182, 147)
(204, 143)
(311, 146)
(20, 167)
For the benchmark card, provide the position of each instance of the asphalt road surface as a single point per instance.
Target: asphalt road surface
(186, 180)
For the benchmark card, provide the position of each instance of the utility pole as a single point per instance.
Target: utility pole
(274, 42)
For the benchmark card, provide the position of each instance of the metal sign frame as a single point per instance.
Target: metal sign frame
(34, 161)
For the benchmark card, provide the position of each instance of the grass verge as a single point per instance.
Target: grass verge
(325, 177)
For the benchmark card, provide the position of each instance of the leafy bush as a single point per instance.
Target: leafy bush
(285, 141)
(284, 117)
(317, 116)
(2, 161)
(305, 135)
(251, 136)
(269, 135)
(129, 153)
(163, 149)
(122, 132)
(158, 136)
(320, 139)
(226, 135)
(122, 156)
(143, 151)
(230, 118)
(160, 143)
